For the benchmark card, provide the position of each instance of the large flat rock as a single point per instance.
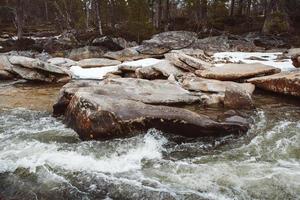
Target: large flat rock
(32, 69)
(97, 62)
(150, 92)
(233, 72)
(285, 83)
(213, 86)
(96, 116)
(230, 94)
(36, 64)
(123, 107)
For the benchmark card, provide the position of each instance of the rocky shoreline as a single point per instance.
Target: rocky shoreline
(140, 87)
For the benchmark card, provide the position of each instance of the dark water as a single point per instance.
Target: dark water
(41, 159)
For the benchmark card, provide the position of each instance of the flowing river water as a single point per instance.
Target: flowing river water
(42, 159)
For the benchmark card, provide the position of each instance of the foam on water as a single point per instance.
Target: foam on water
(30, 153)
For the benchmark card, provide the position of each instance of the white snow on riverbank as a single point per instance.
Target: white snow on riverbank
(91, 73)
(255, 57)
(221, 58)
(142, 63)
(100, 72)
(38, 38)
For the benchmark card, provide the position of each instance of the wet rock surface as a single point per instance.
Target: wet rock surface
(100, 111)
(284, 83)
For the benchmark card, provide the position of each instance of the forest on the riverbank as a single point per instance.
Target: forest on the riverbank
(139, 19)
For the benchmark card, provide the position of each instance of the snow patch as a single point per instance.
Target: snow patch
(99, 72)
(256, 57)
(91, 73)
(142, 63)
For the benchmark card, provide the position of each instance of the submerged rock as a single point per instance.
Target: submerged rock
(285, 83)
(121, 107)
(232, 72)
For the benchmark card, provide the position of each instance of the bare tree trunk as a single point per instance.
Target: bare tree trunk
(98, 18)
(249, 7)
(232, 7)
(240, 8)
(159, 14)
(46, 10)
(20, 18)
(63, 17)
(87, 11)
(204, 10)
(112, 14)
(167, 17)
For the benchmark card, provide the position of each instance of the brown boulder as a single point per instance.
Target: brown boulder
(94, 112)
(285, 83)
(237, 97)
(296, 60)
(5, 75)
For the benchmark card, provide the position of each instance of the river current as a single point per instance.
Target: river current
(42, 159)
